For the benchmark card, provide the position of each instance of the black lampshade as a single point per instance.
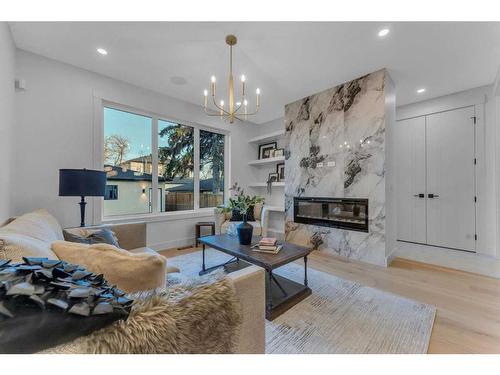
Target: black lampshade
(81, 183)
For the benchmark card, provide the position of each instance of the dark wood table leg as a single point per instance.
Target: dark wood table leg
(305, 271)
(269, 297)
(197, 235)
(203, 255)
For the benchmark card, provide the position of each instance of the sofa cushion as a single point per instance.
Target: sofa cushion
(15, 246)
(130, 272)
(257, 211)
(38, 224)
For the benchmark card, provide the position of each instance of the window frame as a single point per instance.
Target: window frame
(98, 207)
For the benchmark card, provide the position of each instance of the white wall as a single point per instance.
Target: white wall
(390, 204)
(7, 69)
(55, 129)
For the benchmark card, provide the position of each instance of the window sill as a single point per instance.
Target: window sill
(159, 217)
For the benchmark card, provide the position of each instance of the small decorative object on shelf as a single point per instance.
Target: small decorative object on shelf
(278, 152)
(273, 177)
(280, 170)
(266, 150)
(243, 203)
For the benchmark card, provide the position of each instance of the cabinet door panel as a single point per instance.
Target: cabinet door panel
(410, 179)
(450, 177)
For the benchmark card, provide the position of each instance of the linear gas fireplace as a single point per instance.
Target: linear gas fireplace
(344, 213)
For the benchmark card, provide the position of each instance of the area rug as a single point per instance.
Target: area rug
(340, 316)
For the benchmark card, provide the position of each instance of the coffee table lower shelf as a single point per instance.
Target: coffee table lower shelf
(281, 292)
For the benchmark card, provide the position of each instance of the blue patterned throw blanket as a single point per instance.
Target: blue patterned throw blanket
(44, 303)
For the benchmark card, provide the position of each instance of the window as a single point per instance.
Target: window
(151, 161)
(211, 169)
(127, 161)
(111, 192)
(176, 165)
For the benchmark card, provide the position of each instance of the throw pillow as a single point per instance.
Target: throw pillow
(38, 224)
(130, 272)
(237, 216)
(15, 246)
(90, 237)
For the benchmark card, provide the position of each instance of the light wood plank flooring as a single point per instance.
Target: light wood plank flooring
(468, 305)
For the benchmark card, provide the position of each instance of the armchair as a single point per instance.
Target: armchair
(224, 225)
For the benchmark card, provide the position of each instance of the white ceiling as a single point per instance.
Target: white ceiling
(287, 61)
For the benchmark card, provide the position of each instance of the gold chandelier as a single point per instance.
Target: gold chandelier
(235, 109)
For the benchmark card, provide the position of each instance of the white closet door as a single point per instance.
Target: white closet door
(450, 178)
(410, 179)
(410, 183)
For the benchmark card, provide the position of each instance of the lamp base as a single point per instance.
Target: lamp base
(82, 211)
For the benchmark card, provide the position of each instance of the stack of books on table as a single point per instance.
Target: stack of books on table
(267, 245)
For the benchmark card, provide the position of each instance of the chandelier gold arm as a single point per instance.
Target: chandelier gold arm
(254, 112)
(220, 108)
(211, 112)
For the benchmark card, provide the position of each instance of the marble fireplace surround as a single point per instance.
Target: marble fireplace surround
(335, 146)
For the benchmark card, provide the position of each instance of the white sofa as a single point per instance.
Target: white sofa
(31, 235)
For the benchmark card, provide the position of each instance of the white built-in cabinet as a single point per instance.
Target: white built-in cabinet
(435, 179)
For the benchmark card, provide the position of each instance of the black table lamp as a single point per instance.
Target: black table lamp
(81, 183)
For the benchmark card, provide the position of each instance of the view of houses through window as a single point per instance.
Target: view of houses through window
(129, 165)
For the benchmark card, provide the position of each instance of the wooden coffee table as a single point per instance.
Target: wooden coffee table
(281, 292)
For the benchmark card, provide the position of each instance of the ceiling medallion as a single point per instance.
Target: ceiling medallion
(235, 109)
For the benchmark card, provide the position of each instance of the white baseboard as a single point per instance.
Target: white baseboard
(180, 242)
(460, 260)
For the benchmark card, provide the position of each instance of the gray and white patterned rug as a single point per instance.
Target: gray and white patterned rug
(340, 316)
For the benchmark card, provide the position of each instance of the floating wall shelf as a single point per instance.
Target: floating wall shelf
(264, 184)
(267, 137)
(267, 161)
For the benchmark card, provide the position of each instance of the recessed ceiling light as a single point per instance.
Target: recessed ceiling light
(420, 91)
(102, 51)
(383, 32)
(177, 80)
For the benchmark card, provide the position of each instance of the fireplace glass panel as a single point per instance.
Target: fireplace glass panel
(332, 212)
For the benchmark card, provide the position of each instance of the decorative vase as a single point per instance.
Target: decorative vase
(245, 232)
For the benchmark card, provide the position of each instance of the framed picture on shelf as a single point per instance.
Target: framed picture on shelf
(280, 170)
(273, 177)
(278, 152)
(266, 150)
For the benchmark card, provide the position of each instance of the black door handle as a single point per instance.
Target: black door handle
(419, 195)
(432, 196)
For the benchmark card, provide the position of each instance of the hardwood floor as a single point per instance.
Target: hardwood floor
(468, 305)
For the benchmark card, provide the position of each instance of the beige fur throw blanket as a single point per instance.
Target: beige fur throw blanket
(189, 318)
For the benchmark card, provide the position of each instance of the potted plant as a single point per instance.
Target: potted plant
(242, 203)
